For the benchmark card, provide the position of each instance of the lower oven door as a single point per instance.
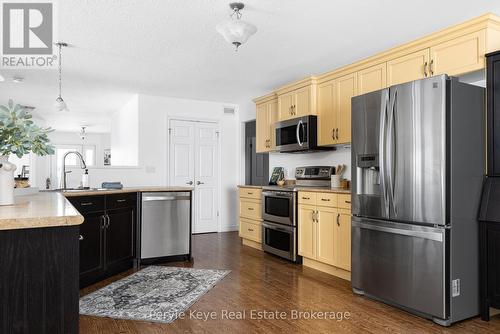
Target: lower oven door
(279, 240)
(401, 264)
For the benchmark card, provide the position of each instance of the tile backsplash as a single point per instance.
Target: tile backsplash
(330, 158)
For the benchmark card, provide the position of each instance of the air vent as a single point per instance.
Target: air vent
(229, 110)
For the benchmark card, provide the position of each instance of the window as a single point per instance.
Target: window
(87, 151)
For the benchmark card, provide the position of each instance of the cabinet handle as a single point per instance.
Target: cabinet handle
(313, 214)
(325, 199)
(431, 66)
(81, 237)
(250, 209)
(305, 198)
(121, 200)
(338, 219)
(249, 193)
(425, 69)
(337, 130)
(86, 203)
(250, 230)
(333, 134)
(348, 202)
(103, 222)
(317, 216)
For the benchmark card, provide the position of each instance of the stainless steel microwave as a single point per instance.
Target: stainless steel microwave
(298, 134)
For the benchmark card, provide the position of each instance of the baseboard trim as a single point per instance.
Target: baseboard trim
(251, 243)
(326, 268)
(230, 228)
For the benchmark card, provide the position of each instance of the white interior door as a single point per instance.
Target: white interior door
(194, 157)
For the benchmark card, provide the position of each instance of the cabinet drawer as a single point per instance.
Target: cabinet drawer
(253, 193)
(86, 204)
(250, 209)
(345, 201)
(251, 230)
(118, 201)
(327, 199)
(307, 198)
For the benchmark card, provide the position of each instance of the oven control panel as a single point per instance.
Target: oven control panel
(314, 172)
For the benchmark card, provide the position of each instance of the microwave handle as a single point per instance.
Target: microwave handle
(299, 125)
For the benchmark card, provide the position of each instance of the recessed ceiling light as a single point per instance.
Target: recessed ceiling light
(17, 79)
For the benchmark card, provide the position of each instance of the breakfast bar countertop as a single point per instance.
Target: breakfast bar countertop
(92, 192)
(43, 209)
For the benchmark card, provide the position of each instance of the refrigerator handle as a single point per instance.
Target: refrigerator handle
(382, 149)
(391, 150)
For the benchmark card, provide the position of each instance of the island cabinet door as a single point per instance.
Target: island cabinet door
(120, 239)
(91, 247)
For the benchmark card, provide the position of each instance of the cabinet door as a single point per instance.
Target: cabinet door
(307, 231)
(372, 79)
(285, 103)
(261, 139)
(460, 55)
(302, 102)
(120, 237)
(91, 246)
(408, 68)
(342, 241)
(272, 117)
(346, 88)
(327, 113)
(326, 235)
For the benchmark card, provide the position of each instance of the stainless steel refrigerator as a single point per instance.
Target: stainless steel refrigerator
(418, 156)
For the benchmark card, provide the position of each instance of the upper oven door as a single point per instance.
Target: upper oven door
(278, 207)
(293, 134)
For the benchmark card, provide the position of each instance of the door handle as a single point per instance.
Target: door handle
(198, 183)
(190, 183)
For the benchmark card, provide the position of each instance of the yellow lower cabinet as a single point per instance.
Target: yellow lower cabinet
(251, 230)
(307, 231)
(342, 240)
(326, 235)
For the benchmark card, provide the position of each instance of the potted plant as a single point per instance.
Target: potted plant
(19, 135)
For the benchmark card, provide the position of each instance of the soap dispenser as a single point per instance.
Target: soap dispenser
(85, 179)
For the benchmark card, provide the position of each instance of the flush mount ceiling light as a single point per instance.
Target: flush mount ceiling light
(60, 104)
(235, 30)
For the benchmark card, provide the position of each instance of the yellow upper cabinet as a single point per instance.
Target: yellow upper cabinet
(327, 118)
(372, 78)
(297, 100)
(266, 110)
(346, 88)
(407, 68)
(460, 55)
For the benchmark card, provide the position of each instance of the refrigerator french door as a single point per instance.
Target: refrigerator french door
(417, 166)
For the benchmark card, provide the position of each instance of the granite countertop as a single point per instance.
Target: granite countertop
(49, 209)
(124, 190)
(249, 186)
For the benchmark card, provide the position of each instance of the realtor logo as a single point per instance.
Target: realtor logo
(27, 35)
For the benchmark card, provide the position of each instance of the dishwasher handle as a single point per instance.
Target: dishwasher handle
(163, 198)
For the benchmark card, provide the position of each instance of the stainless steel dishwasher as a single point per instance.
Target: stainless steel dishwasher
(166, 226)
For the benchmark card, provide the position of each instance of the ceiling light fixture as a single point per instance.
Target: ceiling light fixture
(235, 30)
(60, 104)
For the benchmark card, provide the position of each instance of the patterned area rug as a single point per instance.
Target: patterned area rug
(154, 294)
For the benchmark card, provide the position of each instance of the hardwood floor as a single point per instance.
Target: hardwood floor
(262, 282)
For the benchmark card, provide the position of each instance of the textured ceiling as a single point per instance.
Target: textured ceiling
(171, 48)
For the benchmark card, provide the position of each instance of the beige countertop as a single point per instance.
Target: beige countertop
(124, 190)
(45, 209)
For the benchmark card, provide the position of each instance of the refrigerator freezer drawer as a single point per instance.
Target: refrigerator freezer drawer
(400, 264)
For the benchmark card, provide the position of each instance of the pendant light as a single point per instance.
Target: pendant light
(60, 104)
(235, 30)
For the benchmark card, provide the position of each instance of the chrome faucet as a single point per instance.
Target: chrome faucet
(62, 182)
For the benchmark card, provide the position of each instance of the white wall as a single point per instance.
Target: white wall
(125, 134)
(154, 113)
(330, 158)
